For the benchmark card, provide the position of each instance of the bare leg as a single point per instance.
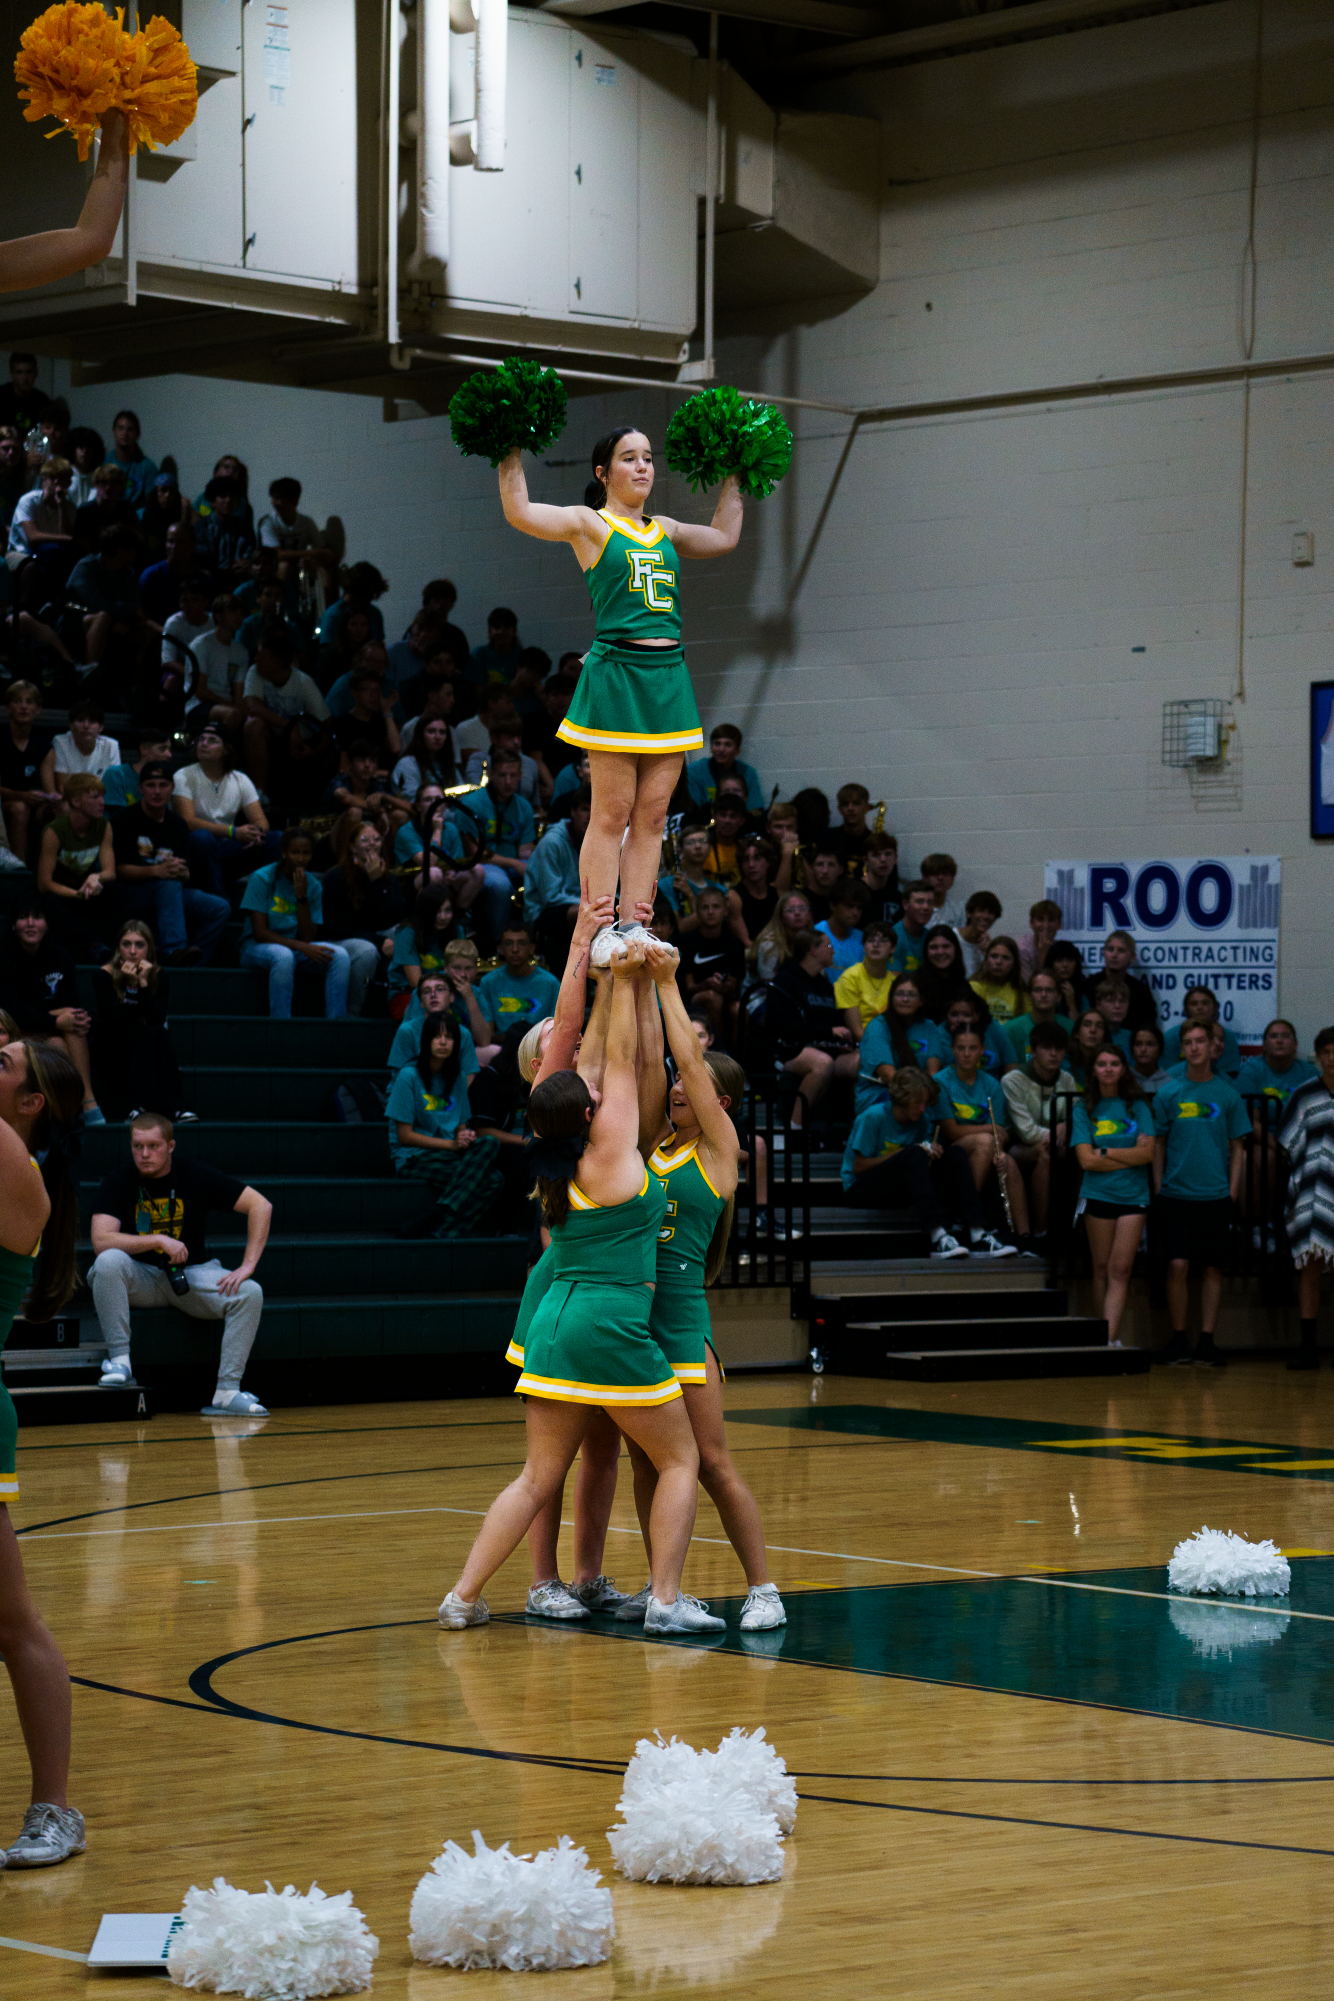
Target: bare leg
(544, 1539)
(664, 1434)
(594, 1495)
(646, 1481)
(37, 1673)
(1101, 1233)
(1211, 1298)
(554, 1432)
(650, 1075)
(813, 1067)
(1129, 1230)
(1309, 1276)
(76, 1048)
(1178, 1294)
(613, 776)
(641, 858)
(737, 1507)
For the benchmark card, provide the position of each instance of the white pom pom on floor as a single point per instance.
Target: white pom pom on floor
(1217, 1560)
(525, 1913)
(276, 1947)
(704, 1816)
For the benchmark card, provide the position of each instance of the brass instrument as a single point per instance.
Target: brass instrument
(459, 791)
(879, 826)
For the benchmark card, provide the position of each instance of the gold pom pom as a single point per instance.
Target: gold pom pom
(159, 85)
(75, 63)
(69, 68)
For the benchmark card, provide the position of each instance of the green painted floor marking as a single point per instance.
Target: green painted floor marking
(1183, 1658)
(1071, 1441)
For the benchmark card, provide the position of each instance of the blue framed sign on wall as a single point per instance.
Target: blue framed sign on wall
(1322, 760)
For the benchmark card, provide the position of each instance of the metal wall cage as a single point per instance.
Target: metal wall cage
(1196, 732)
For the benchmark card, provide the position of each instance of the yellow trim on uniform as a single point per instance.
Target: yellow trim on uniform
(578, 1199)
(514, 1354)
(591, 739)
(691, 1372)
(626, 1394)
(662, 1165)
(9, 1486)
(648, 537)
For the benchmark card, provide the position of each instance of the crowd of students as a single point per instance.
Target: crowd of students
(388, 814)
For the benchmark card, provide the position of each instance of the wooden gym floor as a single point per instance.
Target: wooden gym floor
(1009, 1786)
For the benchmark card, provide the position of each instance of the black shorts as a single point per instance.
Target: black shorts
(1198, 1231)
(1108, 1212)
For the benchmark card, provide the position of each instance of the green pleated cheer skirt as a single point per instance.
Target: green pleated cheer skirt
(627, 700)
(590, 1343)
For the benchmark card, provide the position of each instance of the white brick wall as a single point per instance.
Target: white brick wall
(965, 639)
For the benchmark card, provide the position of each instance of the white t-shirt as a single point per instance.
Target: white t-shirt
(298, 695)
(274, 533)
(104, 753)
(973, 955)
(222, 799)
(53, 517)
(470, 736)
(220, 665)
(179, 628)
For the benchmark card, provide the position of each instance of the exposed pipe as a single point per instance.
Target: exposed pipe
(434, 27)
(492, 38)
(410, 354)
(976, 31)
(825, 17)
(711, 179)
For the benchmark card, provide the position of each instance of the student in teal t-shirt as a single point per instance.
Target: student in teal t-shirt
(997, 1050)
(901, 1036)
(1112, 1132)
(419, 946)
(433, 995)
(889, 1157)
(919, 909)
(1201, 1123)
(430, 1141)
(1277, 1071)
(1044, 999)
(1201, 1004)
(971, 1112)
(519, 989)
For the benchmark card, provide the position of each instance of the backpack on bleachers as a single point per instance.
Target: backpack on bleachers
(357, 1101)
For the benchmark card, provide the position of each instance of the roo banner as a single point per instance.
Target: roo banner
(1197, 921)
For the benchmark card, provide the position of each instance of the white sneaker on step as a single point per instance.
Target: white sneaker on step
(946, 1246)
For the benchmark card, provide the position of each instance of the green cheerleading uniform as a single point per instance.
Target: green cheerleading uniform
(633, 697)
(589, 1339)
(679, 1321)
(539, 1281)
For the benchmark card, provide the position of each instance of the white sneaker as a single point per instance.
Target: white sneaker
(551, 1600)
(763, 1608)
(989, 1245)
(687, 1615)
(600, 1594)
(946, 1246)
(601, 948)
(239, 1404)
(116, 1372)
(50, 1834)
(632, 1610)
(456, 1612)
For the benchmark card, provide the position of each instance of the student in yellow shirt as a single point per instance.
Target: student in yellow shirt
(863, 990)
(1000, 980)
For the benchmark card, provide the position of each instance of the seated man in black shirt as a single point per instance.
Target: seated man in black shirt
(880, 875)
(829, 1049)
(712, 966)
(853, 802)
(822, 866)
(370, 720)
(148, 1233)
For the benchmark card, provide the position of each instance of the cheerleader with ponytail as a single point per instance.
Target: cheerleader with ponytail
(41, 1096)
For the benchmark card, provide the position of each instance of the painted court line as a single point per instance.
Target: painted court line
(718, 1542)
(50, 1951)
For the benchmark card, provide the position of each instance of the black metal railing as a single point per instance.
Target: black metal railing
(777, 1164)
(1258, 1245)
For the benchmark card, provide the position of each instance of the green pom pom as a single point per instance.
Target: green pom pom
(720, 432)
(519, 403)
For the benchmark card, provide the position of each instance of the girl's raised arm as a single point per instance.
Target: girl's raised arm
(715, 1124)
(27, 261)
(691, 538)
(577, 525)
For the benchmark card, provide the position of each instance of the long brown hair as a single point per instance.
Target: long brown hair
(1127, 1090)
(55, 1133)
(729, 1081)
(558, 1109)
(137, 928)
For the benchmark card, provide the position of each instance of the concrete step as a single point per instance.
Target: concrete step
(354, 1266)
(251, 1149)
(259, 1042)
(253, 1091)
(963, 1365)
(80, 1403)
(339, 1329)
(323, 1206)
(872, 1337)
(949, 1303)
